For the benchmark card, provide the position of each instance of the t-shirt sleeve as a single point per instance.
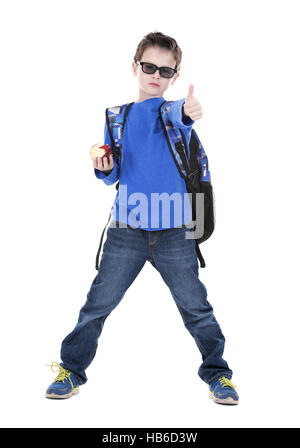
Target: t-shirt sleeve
(178, 117)
(111, 176)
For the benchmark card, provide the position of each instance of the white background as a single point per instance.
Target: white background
(63, 62)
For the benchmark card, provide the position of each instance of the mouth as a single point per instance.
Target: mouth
(153, 84)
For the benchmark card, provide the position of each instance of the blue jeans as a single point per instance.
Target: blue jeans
(125, 251)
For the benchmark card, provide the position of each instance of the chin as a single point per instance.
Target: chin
(155, 92)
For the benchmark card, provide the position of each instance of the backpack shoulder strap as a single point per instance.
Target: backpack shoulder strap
(115, 120)
(201, 158)
(177, 145)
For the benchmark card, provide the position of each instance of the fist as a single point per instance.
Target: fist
(192, 108)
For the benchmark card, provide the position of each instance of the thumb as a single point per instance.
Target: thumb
(190, 92)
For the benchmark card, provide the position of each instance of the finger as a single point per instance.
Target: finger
(105, 163)
(99, 163)
(192, 103)
(197, 116)
(190, 92)
(109, 161)
(194, 109)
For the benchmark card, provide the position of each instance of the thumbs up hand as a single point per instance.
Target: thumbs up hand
(191, 107)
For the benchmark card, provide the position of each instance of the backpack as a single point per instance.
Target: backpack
(191, 161)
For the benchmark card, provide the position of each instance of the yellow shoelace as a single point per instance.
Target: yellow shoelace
(63, 373)
(226, 382)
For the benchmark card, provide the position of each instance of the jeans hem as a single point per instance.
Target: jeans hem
(217, 376)
(78, 379)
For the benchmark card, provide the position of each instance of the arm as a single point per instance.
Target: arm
(111, 176)
(177, 115)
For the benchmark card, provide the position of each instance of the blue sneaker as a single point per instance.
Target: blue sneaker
(223, 391)
(65, 384)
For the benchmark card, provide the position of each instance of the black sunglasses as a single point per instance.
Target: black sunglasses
(165, 72)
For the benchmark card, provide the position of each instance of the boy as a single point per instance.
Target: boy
(147, 167)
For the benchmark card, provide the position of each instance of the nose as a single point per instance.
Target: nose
(156, 74)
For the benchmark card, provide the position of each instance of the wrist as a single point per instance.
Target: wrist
(183, 113)
(186, 119)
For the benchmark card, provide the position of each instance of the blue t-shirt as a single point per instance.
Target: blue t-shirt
(152, 195)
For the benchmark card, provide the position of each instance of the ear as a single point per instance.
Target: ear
(134, 68)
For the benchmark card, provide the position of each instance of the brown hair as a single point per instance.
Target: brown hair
(160, 40)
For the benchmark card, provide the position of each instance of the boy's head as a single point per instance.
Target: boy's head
(161, 50)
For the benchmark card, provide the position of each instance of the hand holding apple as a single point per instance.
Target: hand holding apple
(102, 157)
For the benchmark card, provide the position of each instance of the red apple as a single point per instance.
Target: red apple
(100, 151)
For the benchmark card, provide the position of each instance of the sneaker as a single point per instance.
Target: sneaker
(65, 384)
(223, 391)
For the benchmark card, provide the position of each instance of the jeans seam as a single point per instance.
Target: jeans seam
(150, 249)
(153, 242)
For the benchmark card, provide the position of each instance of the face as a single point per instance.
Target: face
(162, 58)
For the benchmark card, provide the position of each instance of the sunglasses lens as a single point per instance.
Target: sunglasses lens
(167, 72)
(149, 68)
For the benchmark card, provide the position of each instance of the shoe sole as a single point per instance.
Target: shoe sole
(73, 392)
(227, 400)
